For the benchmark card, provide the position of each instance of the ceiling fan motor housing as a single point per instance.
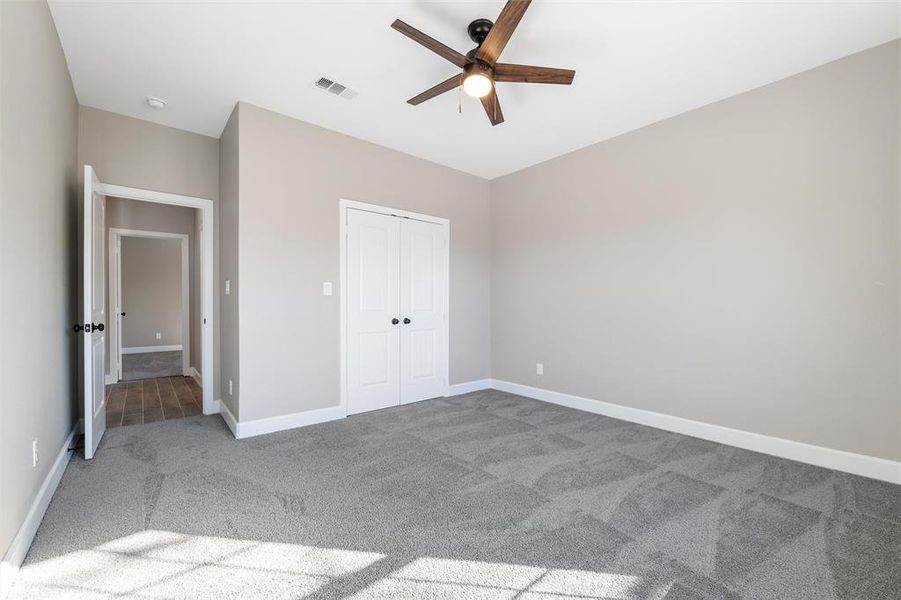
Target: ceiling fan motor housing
(479, 68)
(478, 30)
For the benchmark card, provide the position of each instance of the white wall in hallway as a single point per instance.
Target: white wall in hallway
(151, 292)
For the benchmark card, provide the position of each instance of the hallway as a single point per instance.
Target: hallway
(149, 400)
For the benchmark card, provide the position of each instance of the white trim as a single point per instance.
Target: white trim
(207, 290)
(246, 429)
(129, 193)
(12, 561)
(387, 210)
(195, 375)
(849, 462)
(143, 349)
(228, 417)
(111, 378)
(466, 387)
(343, 206)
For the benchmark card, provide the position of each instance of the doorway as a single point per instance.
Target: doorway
(150, 320)
(96, 310)
(394, 306)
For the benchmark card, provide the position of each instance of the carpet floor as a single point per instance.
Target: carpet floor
(150, 365)
(486, 495)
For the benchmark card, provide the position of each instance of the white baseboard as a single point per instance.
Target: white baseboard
(195, 375)
(468, 386)
(228, 417)
(111, 379)
(15, 555)
(217, 408)
(246, 429)
(143, 349)
(840, 460)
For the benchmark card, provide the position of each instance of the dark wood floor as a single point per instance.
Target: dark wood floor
(149, 400)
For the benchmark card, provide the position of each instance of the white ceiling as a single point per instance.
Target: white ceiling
(636, 63)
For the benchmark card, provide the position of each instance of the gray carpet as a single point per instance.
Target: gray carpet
(486, 495)
(150, 365)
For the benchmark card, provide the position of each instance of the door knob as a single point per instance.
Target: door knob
(122, 313)
(394, 321)
(94, 327)
(406, 321)
(78, 328)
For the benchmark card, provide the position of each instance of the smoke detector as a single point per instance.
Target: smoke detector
(333, 87)
(155, 103)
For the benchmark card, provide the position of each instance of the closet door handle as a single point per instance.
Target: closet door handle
(406, 321)
(394, 321)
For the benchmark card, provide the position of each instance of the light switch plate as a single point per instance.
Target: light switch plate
(228, 287)
(539, 368)
(326, 288)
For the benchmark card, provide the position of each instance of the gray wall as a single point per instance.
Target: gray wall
(149, 216)
(152, 292)
(135, 153)
(38, 294)
(228, 263)
(292, 176)
(737, 265)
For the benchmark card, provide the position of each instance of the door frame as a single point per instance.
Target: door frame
(115, 294)
(207, 316)
(343, 206)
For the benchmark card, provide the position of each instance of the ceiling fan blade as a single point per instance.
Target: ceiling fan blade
(493, 107)
(530, 74)
(503, 28)
(431, 43)
(444, 86)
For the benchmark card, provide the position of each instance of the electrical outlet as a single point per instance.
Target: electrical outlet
(34, 453)
(230, 388)
(228, 287)
(326, 288)
(539, 368)
(159, 335)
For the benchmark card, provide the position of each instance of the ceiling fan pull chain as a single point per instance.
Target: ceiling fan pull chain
(460, 99)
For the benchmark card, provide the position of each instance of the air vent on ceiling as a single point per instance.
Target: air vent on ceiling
(324, 83)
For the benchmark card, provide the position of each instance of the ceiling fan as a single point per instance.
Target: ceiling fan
(480, 67)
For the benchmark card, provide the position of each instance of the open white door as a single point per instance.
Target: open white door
(93, 313)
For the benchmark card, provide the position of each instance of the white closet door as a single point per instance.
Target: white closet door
(373, 341)
(423, 309)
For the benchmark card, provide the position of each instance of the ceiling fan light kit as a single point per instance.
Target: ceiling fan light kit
(481, 71)
(478, 79)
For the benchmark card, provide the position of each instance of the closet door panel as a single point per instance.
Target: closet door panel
(423, 283)
(373, 341)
